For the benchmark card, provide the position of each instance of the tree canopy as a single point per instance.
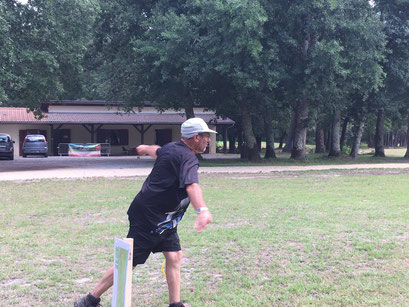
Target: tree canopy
(253, 60)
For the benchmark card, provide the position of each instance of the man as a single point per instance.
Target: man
(161, 204)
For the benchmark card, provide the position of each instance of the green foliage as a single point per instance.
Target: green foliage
(6, 50)
(352, 55)
(396, 28)
(48, 40)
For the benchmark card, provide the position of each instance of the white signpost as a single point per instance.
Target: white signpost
(122, 290)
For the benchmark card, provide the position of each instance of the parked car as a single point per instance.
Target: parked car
(6, 146)
(35, 144)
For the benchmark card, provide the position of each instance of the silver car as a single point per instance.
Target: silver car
(6, 146)
(35, 144)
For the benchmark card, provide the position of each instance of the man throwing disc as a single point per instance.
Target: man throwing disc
(157, 209)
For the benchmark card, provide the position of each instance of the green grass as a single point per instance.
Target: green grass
(295, 239)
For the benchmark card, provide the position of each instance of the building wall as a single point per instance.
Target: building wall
(80, 135)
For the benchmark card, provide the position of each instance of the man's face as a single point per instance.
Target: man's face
(202, 139)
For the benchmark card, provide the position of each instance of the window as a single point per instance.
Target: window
(163, 136)
(4, 139)
(35, 138)
(113, 137)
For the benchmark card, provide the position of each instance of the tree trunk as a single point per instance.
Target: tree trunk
(300, 132)
(240, 139)
(371, 141)
(359, 129)
(283, 135)
(344, 131)
(407, 143)
(189, 111)
(288, 147)
(328, 140)
(249, 139)
(380, 134)
(232, 143)
(259, 140)
(269, 132)
(319, 136)
(335, 148)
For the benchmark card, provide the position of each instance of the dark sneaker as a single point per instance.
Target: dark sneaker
(179, 304)
(88, 301)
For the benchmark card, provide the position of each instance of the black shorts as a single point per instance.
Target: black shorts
(145, 243)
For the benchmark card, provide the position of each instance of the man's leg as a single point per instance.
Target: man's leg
(93, 298)
(173, 260)
(105, 283)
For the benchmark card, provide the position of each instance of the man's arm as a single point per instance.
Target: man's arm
(147, 150)
(195, 194)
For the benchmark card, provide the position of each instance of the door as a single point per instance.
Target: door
(61, 136)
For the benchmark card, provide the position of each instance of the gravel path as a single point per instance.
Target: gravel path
(130, 166)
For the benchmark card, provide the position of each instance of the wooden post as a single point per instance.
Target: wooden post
(128, 291)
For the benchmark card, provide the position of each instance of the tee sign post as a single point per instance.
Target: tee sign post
(122, 290)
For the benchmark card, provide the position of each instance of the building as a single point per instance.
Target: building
(95, 122)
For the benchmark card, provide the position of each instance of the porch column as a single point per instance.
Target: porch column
(142, 131)
(92, 130)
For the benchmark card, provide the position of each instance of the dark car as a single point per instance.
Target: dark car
(35, 144)
(6, 146)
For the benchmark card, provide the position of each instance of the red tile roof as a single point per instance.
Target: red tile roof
(17, 116)
(20, 116)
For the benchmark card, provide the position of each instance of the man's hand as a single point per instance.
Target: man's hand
(203, 218)
(149, 150)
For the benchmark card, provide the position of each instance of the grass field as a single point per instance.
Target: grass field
(294, 239)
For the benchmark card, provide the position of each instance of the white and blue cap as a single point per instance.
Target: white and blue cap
(194, 126)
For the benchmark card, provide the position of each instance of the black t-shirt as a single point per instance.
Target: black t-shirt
(163, 199)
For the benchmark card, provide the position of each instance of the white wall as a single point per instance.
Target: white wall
(80, 135)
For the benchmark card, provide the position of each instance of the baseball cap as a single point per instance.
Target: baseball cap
(194, 126)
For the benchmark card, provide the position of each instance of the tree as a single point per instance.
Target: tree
(6, 50)
(49, 39)
(308, 49)
(171, 59)
(396, 90)
(242, 51)
(210, 53)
